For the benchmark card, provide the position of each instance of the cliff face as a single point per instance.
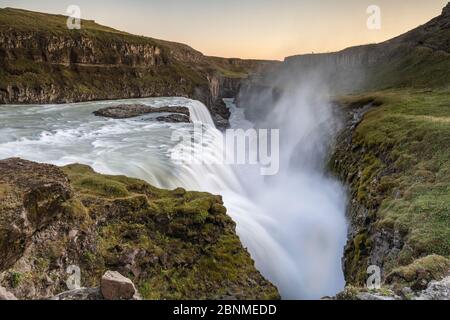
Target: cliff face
(172, 244)
(43, 62)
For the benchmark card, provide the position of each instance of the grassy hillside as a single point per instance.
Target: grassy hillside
(24, 20)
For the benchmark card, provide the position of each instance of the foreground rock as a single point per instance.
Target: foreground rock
(172, 244)
(31, 196)
(6, 295)
(115, 286)
(124, 111)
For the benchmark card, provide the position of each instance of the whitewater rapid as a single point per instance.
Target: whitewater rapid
(290, 242)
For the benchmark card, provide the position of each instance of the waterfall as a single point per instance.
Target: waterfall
(199, 113)
(293, 243)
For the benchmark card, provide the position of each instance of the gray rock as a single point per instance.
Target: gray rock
(437, 290)
(6, 295)
(375, 296)
(174, 118)
(124, 111)
(80, 294)
(115, 286)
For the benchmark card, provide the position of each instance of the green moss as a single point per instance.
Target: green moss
(15, 278)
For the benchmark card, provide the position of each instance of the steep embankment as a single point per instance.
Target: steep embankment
(419, 58)
(172, 244)
(394, 156)
(42, 61)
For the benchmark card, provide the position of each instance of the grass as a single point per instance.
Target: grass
(420, 67)
(399, 168)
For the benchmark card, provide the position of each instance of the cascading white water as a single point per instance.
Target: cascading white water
(292, 243)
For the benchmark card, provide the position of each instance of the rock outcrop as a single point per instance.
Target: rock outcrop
(124, 111)
(436, 290)
(31, 197)
(173, 244)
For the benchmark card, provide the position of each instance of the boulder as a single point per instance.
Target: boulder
(115, 286)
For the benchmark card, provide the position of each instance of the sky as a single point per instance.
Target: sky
(260, 29)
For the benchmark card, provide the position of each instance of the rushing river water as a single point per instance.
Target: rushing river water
(295, 245)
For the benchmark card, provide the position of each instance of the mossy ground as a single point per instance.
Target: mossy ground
(172, 244)
(399, 169)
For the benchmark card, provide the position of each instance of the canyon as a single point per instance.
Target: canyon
(388, 145)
